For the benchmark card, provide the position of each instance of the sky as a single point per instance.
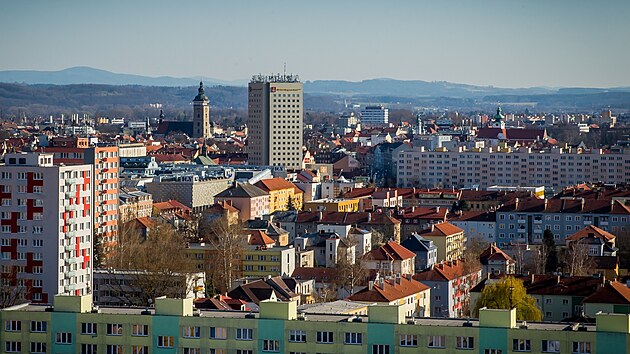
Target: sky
(506, 43)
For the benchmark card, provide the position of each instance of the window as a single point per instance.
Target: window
(244, 334)
(550, 346)
(218, 351)
(139, 330)
(38, 326)
(521, 345)
(465, 343)
(436, 341)
(270, 345)
(38, 347)
(218, 333)
(243, 351)
(12, 326)
(297, 336)
(380, 349)
(581, 348)
(114, 349)
(88, 328)
(493, 351)
(191, 332)
(64, 338)
(114, 329)
(89, 349)
(353, 338)
(408, 340)
(192, 350)
(324, 337)
(12, 347)
(139, 349)
(166, 341)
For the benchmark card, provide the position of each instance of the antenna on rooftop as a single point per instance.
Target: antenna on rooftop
(285, 69)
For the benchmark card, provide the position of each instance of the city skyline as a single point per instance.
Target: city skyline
(513, 44)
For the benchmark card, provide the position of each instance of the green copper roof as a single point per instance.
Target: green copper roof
(201, 96)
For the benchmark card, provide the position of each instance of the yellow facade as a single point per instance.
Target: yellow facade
(339, 205)
(279, 199)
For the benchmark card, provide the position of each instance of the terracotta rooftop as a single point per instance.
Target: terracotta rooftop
(259, 238)
(391, 290)
(319, 274)
(275, 184)
(594, 230)
(445, 271)
(391, 251)
(533, 205)
(611, 293)
(441, 229)
(493, 253)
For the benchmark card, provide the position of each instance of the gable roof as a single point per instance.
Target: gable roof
(441, 229)
(591, 230)
(259, 238)
(494, 253)
(274, 184)
(242, 190)
(445, 271)
(391, 251)
(611, 293)
(390, 290)
(319, 274)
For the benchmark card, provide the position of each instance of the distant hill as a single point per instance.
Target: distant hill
(87, 75)
(415, 88)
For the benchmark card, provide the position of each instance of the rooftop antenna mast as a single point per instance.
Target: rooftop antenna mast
(285, 69)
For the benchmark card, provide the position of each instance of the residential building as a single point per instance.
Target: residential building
(274, 261)
(251, 201)
(390, 259)
(600, 243)
(477, 225)
(613, 297)
(257, 291)
(494, 261)
(526, 219)
(196, 192)
(448, 238)
(426, 251)
(174, 325)
(275, 121)
(134, 204)
(275, 232)
(450, 283)
(412, 296)
(417, 219)
(46, 227)
(280, 193)
(555, 167)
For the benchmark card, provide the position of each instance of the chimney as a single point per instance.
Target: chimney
(545, 209)
(371, 285)
(559, 278)
(369, 216)
(437, 209)
(413, 208)
(583, 202)
(320, 216)
(516, 202)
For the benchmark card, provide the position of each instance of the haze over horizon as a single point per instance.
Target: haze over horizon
(489, 42)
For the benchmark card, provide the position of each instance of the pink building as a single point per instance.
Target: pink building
(251, 201)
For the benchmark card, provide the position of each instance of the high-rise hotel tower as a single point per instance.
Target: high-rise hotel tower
(275, 121)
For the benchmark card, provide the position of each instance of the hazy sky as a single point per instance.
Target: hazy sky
(501, 43)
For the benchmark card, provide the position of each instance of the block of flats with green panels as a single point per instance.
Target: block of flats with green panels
(73, 325)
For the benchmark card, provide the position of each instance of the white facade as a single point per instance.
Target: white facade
(375, 115)
(275, 121)
(556, 167)
(47, 230)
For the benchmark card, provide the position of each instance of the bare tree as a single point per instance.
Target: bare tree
(151, 267)
(350, 271)
(471, 254)
(228, 242)
(577, 260)
(13, 291)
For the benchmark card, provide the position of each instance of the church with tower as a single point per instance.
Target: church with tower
(200, 125)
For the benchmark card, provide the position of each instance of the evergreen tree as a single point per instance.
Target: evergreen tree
(97, 252)
(550, 252)
(290, 204)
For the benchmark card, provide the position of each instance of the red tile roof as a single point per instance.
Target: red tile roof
(441, 229)
(611, 293)
(390, 251)
(590, 229)
(493, 253)
(445, 271)
(319, 274)
(259, 238)
(392, 290)
(274, 184)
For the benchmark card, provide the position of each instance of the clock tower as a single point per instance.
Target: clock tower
(201, 114)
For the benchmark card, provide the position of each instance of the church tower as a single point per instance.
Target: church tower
(201, 114)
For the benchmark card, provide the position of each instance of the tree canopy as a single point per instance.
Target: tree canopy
(507, 293)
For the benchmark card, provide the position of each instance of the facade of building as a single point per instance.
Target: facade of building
(281, 192)
(425, 250)
(390, 259)
(274, 261)
(332, 204)
(174, 326)
(275, 121)
(449, 240)
(413, 296)
(193, 191)
(46, 226)
(375, 116)
(485, 167)
(251, 201)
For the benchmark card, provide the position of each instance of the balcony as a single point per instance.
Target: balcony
(69, 287)
(71, 234)
(69, 274)
(69, 247)
(522, 221)
(537, 221)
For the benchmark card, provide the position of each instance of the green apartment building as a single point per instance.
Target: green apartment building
(173, 326)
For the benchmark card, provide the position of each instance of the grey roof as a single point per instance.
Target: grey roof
(417, 243)
(242, 190)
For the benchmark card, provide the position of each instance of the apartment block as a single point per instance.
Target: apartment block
(485, 167)
(275, 121)
(74, 326)
(46, 227)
